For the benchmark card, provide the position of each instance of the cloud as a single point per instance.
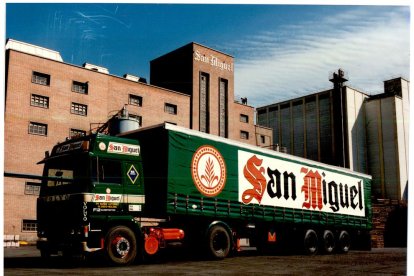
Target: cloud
(295, 60)
(101, 19)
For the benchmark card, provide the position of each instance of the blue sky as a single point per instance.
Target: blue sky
(281, 51)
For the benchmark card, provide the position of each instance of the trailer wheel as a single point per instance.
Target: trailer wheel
(219, 242)
(121, 245)
(328, 242)
(310, 242)
(344, 242)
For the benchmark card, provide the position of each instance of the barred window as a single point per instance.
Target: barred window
(40, 101)
(135, 100)
(170, 108)
(29, 225)
(244, 135)
(37, 128)
(223, 109)
(80, 87)
(204, 118)
(244, 118)
(32, 188)
(79, 109)
(40, 78)
(76, 133)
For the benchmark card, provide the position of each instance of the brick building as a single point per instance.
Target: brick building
(208, 77)
(48, 100)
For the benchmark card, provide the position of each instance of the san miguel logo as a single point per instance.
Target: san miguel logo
(254, 174)
(121, 148)
(208, 171)
(273, 182)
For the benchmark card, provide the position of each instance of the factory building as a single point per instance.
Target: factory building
(48, 100)
(349, 128)
(387, 127)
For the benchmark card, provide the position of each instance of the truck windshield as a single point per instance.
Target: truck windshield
(67, 170)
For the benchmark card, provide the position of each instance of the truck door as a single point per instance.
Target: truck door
(134, 194)
(108, 184)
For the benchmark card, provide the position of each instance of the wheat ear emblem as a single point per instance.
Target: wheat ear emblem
(209, 175)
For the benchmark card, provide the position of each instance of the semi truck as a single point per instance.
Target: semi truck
(133, 194)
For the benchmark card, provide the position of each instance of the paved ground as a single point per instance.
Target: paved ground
(389, 261)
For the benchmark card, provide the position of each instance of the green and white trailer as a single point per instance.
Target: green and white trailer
(136, 193)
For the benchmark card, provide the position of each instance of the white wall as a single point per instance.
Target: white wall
(387, 128)
(356, 130)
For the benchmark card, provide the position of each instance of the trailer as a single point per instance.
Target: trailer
(132, 195)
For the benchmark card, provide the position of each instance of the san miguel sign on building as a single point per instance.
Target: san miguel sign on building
(213, 61)
(273, 182)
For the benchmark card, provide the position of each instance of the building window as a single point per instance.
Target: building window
(170, 108)
(204, 103)
(40, 78)
(32, 188)
(244, 118)
(29, 225)
(76, 133)
(80, 87)
(38, 128)
(136, 117)
(40, 101)
(223, 94)
(135, 100)
(79, 109)
(262, 139)
(244, 135)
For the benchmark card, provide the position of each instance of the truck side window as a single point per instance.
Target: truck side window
(109, 171)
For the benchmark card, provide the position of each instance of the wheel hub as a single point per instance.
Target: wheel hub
(122, 246)
(219, 242)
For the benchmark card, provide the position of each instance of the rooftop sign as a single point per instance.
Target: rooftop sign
(213, 61)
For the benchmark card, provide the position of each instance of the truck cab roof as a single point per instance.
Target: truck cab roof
(95, 144)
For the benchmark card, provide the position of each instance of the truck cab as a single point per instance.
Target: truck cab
(91, 185)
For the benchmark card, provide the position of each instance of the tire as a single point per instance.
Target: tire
(218, 242)
(310, 242)
(121, 245)
(328, 242)
(344, 242)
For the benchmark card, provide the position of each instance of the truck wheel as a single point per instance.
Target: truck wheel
(121, 245)
(310, 242)
(218, 242)
(344, 242)
(328, 242)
